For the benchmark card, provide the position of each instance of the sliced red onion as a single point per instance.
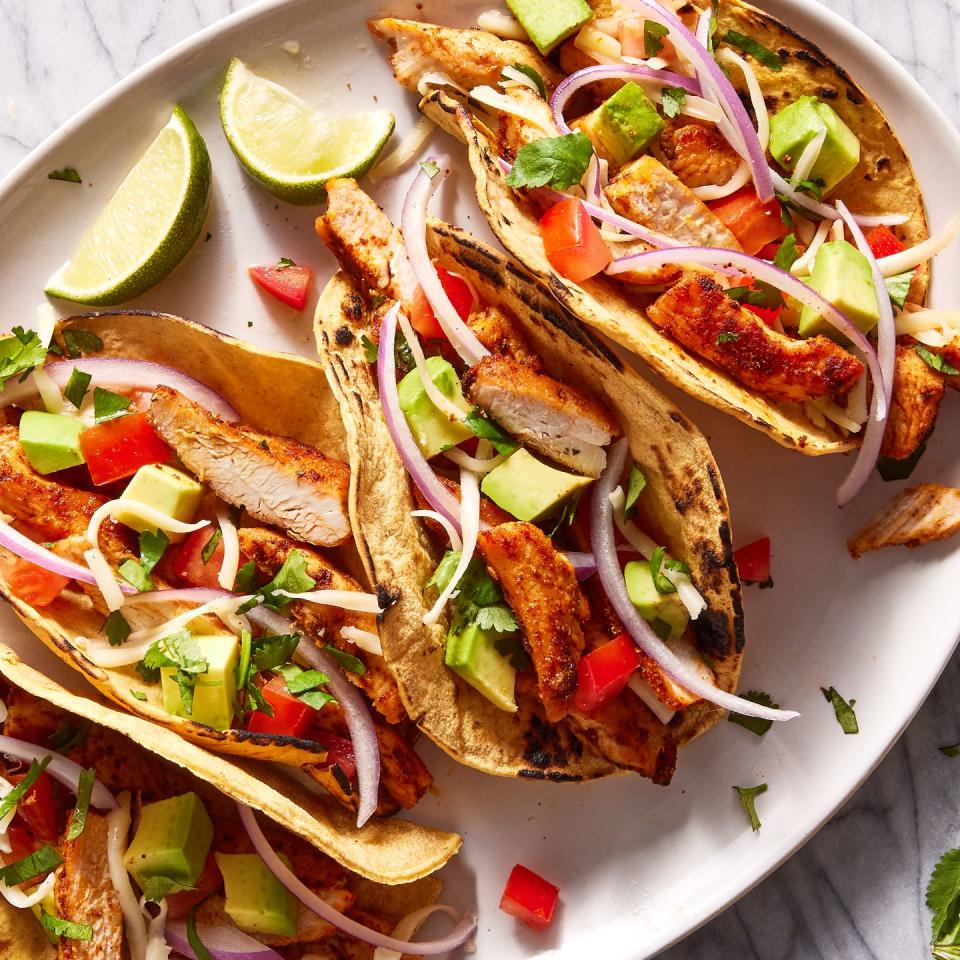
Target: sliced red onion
(223, 942)
(413, 224)
(122, 373)
(427, 948)
(363, 734)
(719, 257)
(827, 212)
(627, 71)
(611, 576)
(61, 768)
(584, 564)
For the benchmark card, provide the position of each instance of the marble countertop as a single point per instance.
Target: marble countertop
(856, 890)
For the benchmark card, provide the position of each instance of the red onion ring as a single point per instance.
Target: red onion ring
(608, 569)
(826, 212)
(427, 948)
(627, 71)
(222, 942)
(126, 374)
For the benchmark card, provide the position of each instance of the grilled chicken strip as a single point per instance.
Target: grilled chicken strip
(539, 584)
(697, 313)
(917, 392)
(85, 894)
(919, 515)
(498, 333)
(268, 550)
(278, 480)
(560, 421)
(698, 154)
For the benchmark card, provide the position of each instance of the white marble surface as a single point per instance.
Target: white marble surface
(854, 892)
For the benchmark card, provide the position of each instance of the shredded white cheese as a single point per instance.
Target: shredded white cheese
(106, 581)
(364, 639)
(49, 391)
(404, 152)
(935, 328)
(142, 512)
(597, 44)
(803, 264)
(466, 462)
(5, 787)
(157, 948)
(407, 928)
(914, 256)
(513, 75)
(354, 600)
(808, 158)
(741, 176)
(502, 25)
(644, 691)
(835, 414)
(23, 901)
(46, 322)
(118, 828)
(227, 576)
(726, 55)
(503, 103)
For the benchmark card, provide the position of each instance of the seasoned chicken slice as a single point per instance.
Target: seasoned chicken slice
(556, 419)
(541, 588)
(645, 276)
(532, 120)
(468, 57)
(268, 550)
(646, 192)
(499, 334)
(490, 514)
(698, 154)
(84, 893)
(917, 392)
(697, 313)
(278, 480)
(917, 516)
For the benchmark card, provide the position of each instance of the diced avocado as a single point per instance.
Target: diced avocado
(214, 692)
(549, 22)
(528, 489)
(841, 273)
(627, 122)
(50, 441)
(651, 604)
(430, 428)
(472, 654)
(172, 842)
(170, 491)
(256, 901)
(793, 127)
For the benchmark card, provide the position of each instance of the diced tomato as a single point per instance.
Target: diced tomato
(769, 251)
(119, 448)
(633, 42)
(753, 561)
(768, 315)
(33, 584)
(529, 898)
(340, 753)
(604, 672)
(883, 243)
(290, 717)
(753, 223)
(289, 284)
(22, 843)
(460, 294)
(36, 810)
(210, 880)
(572, 241)
(188, 563)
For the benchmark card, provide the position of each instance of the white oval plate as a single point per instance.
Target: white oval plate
(638, 866)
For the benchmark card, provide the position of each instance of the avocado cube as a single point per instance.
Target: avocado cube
(50, 441)
(256, 901)
(431, 428)
(166, 489)
(214, 692)
(528, 489)
(172, 842)
(650, 603)
(627, 122)
(793, 127)
(549, 22)
(842, 275)
(472, 654)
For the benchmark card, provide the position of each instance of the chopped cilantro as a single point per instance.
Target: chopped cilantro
(76, 388)
(67, 174)
(116, 628)
(934, 360)
(943, 898)
(108, 405)
(65, 928)
(246, 578)
(268, 653)
(673, 99)
(292, 577)
(78, 819)
(346, 660)
(284, 263)
(68, 736)
(748, 797)
(760, 53)
(635, 486)
(660, 561)
(210, 546)
(429, 168)
(403, 355)
(843, 710)
(181, 651)
(153, 545)
(756, 725)
(43, 860)
(10, 801)
(557, 162)
(138, 695)
(20, 353)
(952, 750)
(497, 616)
(898, 287)
(712, 32)
(487, 429)
(193, 938)
(133, 572)
(727, 336)
(528, 71)
(787, 253)
(653, 34)
(78, 342)
(369, 349)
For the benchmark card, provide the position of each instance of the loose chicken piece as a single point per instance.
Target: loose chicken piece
(646, 192)
(917, 392)
(698, 154)
(84, 893)
(278, 480)
(698, 313)
(645, 276)
(540, 586)
(268, 550)
(556, 419)
(919, 515)
(951, 354)
(490, 514)
(515, 130)
(498, 333)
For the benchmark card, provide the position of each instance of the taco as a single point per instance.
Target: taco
(496, 643)
(169, 587)
(110, 849)
(616, 169)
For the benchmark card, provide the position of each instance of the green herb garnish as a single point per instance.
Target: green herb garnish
(844, 711)
(285, 263)
(943, 898)
(133, 572)
(138, 695)
(528, 71)
(246, 578)
(76, 388)
(635, 486)
(748, 797)
(67, 174)
(78, 342)
(182, 652)
(43, 860)
(728, 336)
(756, 725)
(659, 562)
(292, 577)
(760, 53)
(193, 938)
(953, 750)
(65, 928)
(898, 287)
(787, 253)
(672, 100)
(78, 819)
(68, 736)
(10, 801)
(346, 660)
(429, 168)
(116, 628)
(935, 361)
(108, 405)
(369, 349)
(653, 34)
(210, 546)
(557, 162)
(19, 354)
(487, 429)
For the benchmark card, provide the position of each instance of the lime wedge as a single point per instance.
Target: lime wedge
(287, 145)
(148, 226)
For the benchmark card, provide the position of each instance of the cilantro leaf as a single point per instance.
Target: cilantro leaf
(727, 336)
(156, 888)
(10, 801)
(193, 938)
(369, 349)
(284, 263)
(305, 680)
(756, 725)
(760, 53)
(673, 99)
(934, 360)
(65, 928)
(403, 355)
(68, 736)
(943, 894)
(67, 174)
(76, 388)
(138, 695)
(487, 429)
(210, 546)
(748, 797)
(346, 660)
(78, 342)
(243, 669)
(653, 34)
(181, 651)
(153, 545)
(898, 287)
(108, 405)
(635, 486)
(952, 750)
(268, 653)
(497, 616)
(557, 162)
(445, 569)
(116, 628)
(20, 353)
(843, 710)
(787, 253)
(292, 577)
(712, 32)
(43, 860)
(78, 819)
(133, 572)
(246, 578)
(528, 71)
(660, 561)
(429, 168)
(566, 515)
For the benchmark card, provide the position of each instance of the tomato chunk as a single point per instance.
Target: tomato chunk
(188, 563)
(883, 242)
(529, 898)
(290, 717)
(119, 448)
(33, 584)
(572, 241)
(753, 223)
(37, 811)
(633, 42)
(288, 284)
(461, 296)
(210, 880)
(753, 561)
(604, 672)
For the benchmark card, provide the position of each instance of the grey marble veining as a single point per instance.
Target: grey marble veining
(855, 892)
